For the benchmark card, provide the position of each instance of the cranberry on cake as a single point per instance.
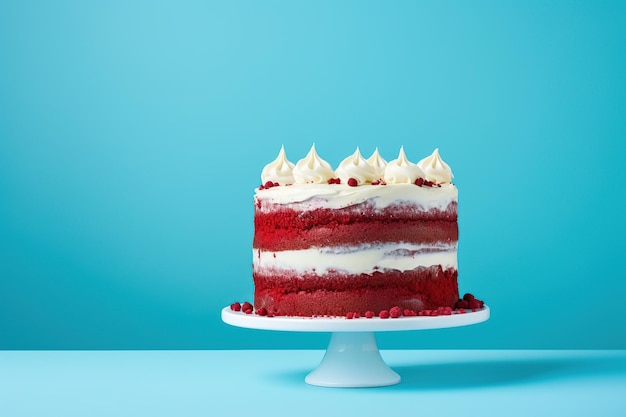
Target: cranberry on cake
(365, 237)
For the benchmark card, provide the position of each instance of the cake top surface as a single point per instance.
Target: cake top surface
(313, 182)
(356, 170)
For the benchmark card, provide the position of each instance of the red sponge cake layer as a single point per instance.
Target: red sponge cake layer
(337, 294)
(288, 229)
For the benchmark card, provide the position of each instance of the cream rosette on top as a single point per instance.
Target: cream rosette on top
(401, 171)
(355, 167)
(312, 169)
(435, 169)
(378, 163)
(279, 171)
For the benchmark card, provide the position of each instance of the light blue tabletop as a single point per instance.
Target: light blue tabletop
(271, 383)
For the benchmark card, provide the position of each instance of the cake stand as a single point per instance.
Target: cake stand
(352, 358)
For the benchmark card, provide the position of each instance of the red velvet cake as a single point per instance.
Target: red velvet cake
(365, 237)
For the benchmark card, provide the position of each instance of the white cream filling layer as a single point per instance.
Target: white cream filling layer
(312, 196)
(364, 259)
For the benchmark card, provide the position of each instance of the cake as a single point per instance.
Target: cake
(362, 239)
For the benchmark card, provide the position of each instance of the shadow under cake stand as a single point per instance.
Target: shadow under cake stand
(352, 358)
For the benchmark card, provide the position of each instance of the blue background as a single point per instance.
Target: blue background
(132, 135)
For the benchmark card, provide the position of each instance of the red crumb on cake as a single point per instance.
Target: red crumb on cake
(395, 312)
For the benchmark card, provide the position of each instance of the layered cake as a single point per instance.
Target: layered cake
(360, 239)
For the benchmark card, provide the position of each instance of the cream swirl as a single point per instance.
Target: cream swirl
(355, 166)
(401, 171)
(312, 169)
(435, 169)
(280, 170)
(378, 163)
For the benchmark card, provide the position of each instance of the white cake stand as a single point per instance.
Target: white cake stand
(352, 358)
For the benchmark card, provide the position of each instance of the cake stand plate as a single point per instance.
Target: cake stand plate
(352, 359)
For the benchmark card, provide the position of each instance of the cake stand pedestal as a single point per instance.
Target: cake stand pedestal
(352, 358)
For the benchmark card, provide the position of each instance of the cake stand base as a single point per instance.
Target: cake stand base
(352, 360)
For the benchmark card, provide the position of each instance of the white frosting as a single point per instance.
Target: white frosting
(280, 170)
(312, 196)
(312, 169)
(435, 169)
(363, 259)
(378, 163)
(311, 189)
(356, 167)
(401, 171)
